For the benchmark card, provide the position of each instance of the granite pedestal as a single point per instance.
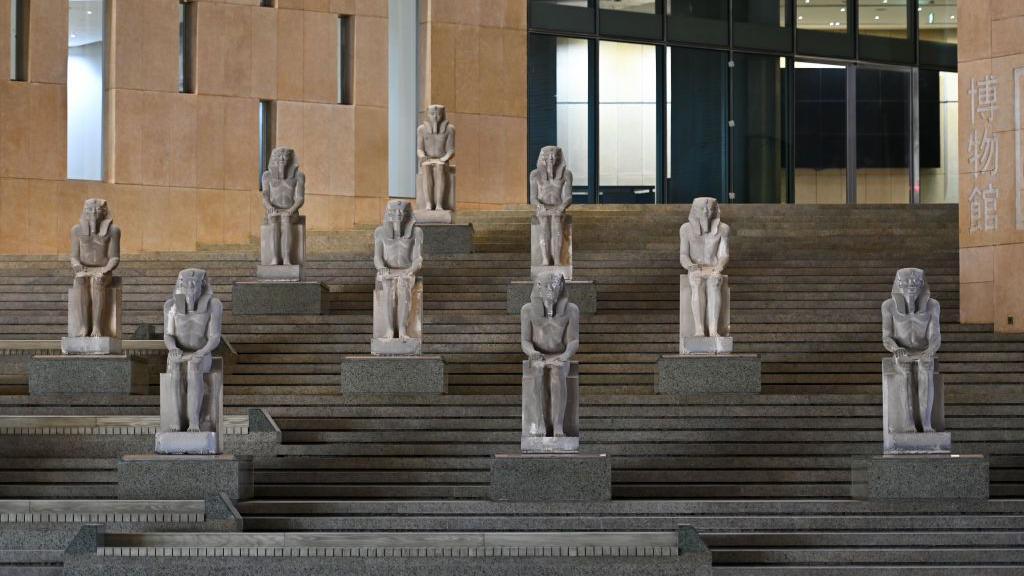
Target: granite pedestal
(551, 477)
(183, 477)
(582, 293)
(920, 477)
(86, 374)
(443, 239)
(279, 298)
(393, 375)
(709, 374)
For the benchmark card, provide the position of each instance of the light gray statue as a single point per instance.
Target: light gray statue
(397, 255)
(551, 195)
(435, 148)
(550, 334)
(93, 306)
(192, 331)
(284, 192)
(910, 331)
(704, 299)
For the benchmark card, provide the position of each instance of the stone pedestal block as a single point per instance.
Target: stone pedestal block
(709, 374)
(551, 477)
(582, 293)
(444, 239)
(86, 374)
(279, 298)
(183, 477)
(920, 477)
(393, 375)
(432, 217)
(101, 345)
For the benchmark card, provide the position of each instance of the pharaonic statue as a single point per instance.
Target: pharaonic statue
(913, 387)
(94, 299)
(704, 297)
(282, 235)
(191, 394)
(550, 334)
(551, 228)
(397, 296)
(435, 184)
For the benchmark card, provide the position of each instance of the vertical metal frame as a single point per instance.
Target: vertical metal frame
(914, 141)
(661, 129)
(593, 125)
(851, 134)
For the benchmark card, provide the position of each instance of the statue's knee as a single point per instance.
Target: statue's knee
(715, 282)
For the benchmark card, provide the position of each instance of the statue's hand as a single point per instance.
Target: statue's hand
(901, 354)
(174, 355)
(78, 268)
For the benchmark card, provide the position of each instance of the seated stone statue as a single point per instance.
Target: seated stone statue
(435, 183)
(192, 331)
(911, 384)
(397, 296)
(704, 297)
(550, 335)
(550, 227)
(282, 235)
(94, 303)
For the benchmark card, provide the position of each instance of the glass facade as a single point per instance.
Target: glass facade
(759, 101)
(86, 62)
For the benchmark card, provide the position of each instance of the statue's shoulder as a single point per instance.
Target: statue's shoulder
(888, 306)
(535, 175)
(526, 311)
(216, 305)
(114, 231)
(684, 230)
(933, 304)
(724, 229)
(573, 310)
(76, 230)
(378, 232)
(168, 304)
(417, 233)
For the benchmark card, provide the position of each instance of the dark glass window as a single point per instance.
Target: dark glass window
(759, 156)
(267, 136)
(19, 40)
(939, 151)
(626, 118)
(640, 6)
(884, 18)
(820, 133)
(697, 117)
(558, 103)
(705, 21)
(186, 46)
(344, 60)
(883, 136)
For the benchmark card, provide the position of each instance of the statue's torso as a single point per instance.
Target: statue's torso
(397, 252)
(93, 249)
(190, 330)
(282, 192)
(548, 334)
(549, 192)
(910, 330)
(435, 145)
(703, 247)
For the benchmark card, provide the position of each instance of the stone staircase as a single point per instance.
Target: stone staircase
(765, 478)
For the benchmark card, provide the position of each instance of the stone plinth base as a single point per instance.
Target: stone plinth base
(184, 477)
(396, 346)
(918, 443)
(101, 345)
(442, 239)
(187, 443)
(582, 293)
(86, 374)
(549, 444)
(393, 375)
(551, 477)
(432, 217)
(709, 374)
(706, 344)
(279, 273)
(920, 477)
(279, 298)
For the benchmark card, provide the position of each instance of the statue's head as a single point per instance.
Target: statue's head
(911, 287)
(551, 161)
(549, 292)
(398, 216)
(95, 210)
(191, 288)
(436, 115)
(282, 162)
(704, 215)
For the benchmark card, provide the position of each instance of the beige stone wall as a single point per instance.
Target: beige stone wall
(991, 47)
(182, 169)
(474, 54)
